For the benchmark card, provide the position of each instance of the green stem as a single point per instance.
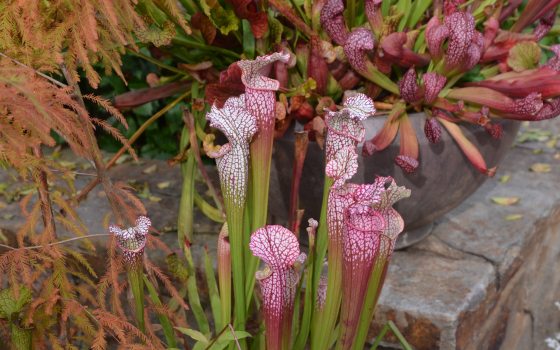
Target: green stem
(323, 321)
(136, 281)
(308, 305)
(372, 74)
(224, 277)
(235, 227)
(157, 62)
(400, 337)
(380, 336)
(188, 42)
(215, 302)
(163, 319)
(351, 13)
(193, 296)
(261, 155)
(370, 301)
(186, 204)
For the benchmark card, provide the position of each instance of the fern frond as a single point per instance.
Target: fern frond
(166, 282)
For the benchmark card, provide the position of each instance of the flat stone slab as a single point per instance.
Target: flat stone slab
(485, 278)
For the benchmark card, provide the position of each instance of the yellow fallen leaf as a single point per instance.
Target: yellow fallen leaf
(505, 200)
(123, 159)
(537, 151)
(540, 168)
(513, 217)
(552, 143)
(3, 237)
(67, 164)
(150, 170)
(7, 216)
(163, 185)
(154, 199)
(505, 178)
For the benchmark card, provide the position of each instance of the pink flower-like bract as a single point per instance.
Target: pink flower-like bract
(369, 227)
(132, 240)
(395, 51)
(278, 247)
(332, 21)
(408, 86)
(411, 92)
(345, 128)
(465, 44)
(432, 130)
(239, 126)
(260, 98)
(433, 84)
(357, 45)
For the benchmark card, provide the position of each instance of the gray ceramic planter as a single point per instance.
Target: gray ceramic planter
(443, 180)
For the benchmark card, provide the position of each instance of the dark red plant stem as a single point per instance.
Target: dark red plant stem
(137, 98)
(300, 151)
(96, 156)
(355, 280)
(292, 16)
(508, 10)
(44, 197)
(534, 10)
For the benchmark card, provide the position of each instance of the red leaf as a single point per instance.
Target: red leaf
(317, 67)
(230, 85)
(247, 9)
(468, 148)
(201, 22)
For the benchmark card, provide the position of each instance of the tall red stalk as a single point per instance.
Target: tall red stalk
(363, 226)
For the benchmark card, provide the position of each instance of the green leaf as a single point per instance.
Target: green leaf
(419, 9)
(480, 9)
(10, 305)
(403, 8)
(156, 35)
(224, 19)
(207, 209)
(248, 40)
(275, 29)
(227, 337)
(177, 268)
(215, 301)
(524, 55)
(194, 334)
(163, 319)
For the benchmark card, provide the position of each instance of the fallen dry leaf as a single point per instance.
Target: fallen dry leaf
(154, 199)
(150, 170)
(513, 217)
(540, 168)
(504, 179)
(163, 185)
(505, 200)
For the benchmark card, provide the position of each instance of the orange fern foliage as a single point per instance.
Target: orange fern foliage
(31, 109)
(48, 34)
(40, 40)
